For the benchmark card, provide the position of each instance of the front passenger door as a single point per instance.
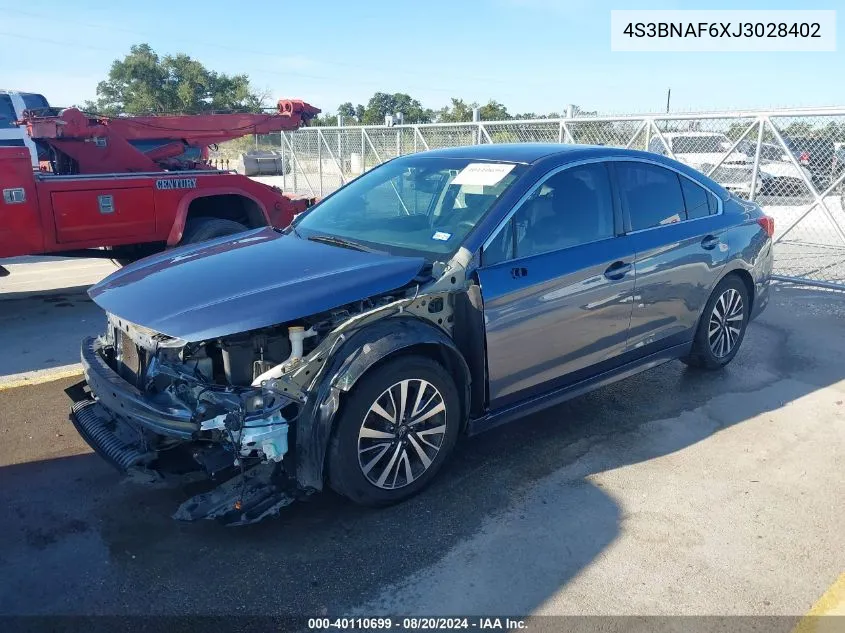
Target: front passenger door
(557, 282)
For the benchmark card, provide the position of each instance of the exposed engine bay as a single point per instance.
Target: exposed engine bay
(229, 384)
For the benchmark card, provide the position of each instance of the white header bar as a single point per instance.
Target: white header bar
(723, 31)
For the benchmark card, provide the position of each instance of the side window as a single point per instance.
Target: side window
(651, 194)
(695, 198)
(7, 112)
(570, 208)
(713, 203)
(501, 248)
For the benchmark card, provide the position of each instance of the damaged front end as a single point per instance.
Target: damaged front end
(225, 411)
(166, 408)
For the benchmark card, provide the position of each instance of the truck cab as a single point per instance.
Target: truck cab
(12, 106)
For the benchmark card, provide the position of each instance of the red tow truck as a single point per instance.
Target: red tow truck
(127, 187)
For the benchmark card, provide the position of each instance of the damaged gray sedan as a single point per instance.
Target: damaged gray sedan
(437, 295)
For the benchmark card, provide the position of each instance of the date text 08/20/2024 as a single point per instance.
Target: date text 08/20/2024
(416, 623)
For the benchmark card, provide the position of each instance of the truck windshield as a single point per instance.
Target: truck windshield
(7, 112)
(412, 205)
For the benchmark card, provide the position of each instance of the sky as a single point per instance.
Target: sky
(532, 55)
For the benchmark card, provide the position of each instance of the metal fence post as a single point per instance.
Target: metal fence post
(320, 163)
(284, 161)
(756, 169)
(340, 158)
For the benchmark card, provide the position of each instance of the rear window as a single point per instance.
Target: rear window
(32, 101)
(695, 198)
(713, 203)
(7, 112)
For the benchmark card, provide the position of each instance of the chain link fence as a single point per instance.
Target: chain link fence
(792, 162)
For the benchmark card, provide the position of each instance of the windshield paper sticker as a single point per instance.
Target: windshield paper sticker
(482, 174)
(441, 236)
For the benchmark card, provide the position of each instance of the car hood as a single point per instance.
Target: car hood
(701, 159)
(244, 282)
(780, 169)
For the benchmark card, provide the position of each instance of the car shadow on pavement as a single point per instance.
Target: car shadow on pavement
(42, 331)
(78, 541)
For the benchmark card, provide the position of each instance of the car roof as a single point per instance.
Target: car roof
(528, 153)
(512, 152)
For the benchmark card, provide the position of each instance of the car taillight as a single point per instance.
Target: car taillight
(768, 224)
(804, 158)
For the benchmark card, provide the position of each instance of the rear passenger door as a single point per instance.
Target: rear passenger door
(677, 229)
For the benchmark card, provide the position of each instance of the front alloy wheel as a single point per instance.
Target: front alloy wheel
(395, 430)
(401, 433)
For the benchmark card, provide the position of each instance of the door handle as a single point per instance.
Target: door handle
(710, 242)
(516, 273)
(617, 270)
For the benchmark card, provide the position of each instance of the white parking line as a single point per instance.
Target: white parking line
(39, 376)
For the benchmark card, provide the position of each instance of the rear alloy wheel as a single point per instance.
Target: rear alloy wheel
(722, 325)
(725, 323)
(395, 431)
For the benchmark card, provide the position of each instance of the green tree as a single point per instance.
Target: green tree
(143, 82)
(458, 112)
(493, 111)
(324, 120)
(381, 104)
(346, 110)
(736, 128)
(798, 128)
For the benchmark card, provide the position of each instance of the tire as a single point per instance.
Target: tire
(379, 476)
(712, 351)
(130, 254)
(202, 229)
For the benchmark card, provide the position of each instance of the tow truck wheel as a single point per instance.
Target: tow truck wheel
(132, 253)
(202, 229)
(395, 430)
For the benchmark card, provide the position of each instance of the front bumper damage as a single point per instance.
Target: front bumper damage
(157, 441)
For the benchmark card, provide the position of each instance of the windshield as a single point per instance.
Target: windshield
(412, 205)
(699, 144)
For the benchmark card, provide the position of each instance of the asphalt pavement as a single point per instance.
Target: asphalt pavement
(674, 492)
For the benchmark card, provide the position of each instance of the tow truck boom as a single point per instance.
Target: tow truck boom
(75, 143)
